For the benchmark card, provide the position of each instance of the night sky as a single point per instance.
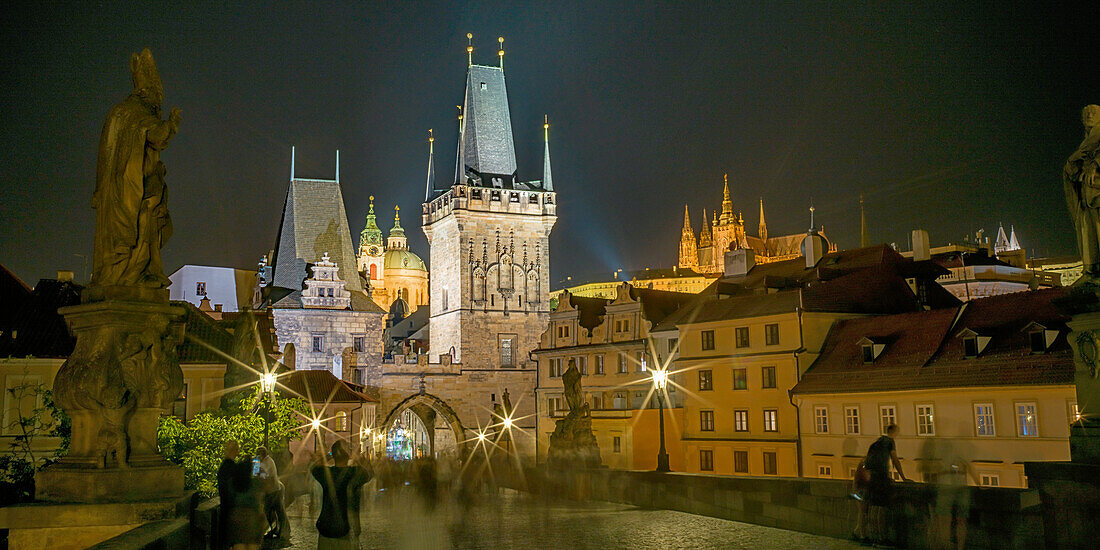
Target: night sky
(948, 118)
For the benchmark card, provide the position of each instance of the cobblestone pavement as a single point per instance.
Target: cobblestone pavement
(507, 519)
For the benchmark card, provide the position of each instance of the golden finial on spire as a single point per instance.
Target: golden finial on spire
(470, 48)
(546, 128)
(500, 52)
(431, 136)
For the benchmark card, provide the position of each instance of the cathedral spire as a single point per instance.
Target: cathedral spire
(689, 253)
(547, 180)
(704, 234)
(687, 221)
(727, 204)
(864, 238)
(763, 229)
(429, 187)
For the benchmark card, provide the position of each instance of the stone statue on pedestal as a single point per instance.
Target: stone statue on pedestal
(1081, 182)
(123, 374)
(573, 444)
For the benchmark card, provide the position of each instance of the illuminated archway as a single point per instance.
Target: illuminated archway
(429, 410)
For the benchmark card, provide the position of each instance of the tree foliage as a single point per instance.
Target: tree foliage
(44, 419)
(197, 444)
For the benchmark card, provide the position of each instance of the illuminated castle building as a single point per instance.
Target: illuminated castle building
(726, 231)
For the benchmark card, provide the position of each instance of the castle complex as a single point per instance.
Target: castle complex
(726, 231)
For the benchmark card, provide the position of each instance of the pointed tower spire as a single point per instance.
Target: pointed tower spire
(292, 162)
(689, 253)
(337, 166)
(469, 49)
(547, 180)
(864, 238)
(371, 235)
(500, 52)
(397, 239)
(704, 234)
(429, 187)
(1013, 244)
(1001, 244)
(763, 229)
(727, 204)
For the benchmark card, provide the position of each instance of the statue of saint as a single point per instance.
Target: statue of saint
(1082, 186)
(572, 380)
(132, 222)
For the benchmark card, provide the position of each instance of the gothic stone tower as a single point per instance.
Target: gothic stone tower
(489, 238)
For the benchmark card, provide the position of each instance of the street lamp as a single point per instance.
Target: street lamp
(660, 381)
(315, 425)
(267, 385)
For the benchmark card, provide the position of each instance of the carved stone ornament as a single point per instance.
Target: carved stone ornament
(1088, 347)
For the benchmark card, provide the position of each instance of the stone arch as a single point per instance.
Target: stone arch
(440, 407)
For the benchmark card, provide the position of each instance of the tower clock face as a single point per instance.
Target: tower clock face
(373, 251)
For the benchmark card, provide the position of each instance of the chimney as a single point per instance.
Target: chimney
(813, 248)
(739, 262)
(921, 248)
(218, 308)
(64, 276)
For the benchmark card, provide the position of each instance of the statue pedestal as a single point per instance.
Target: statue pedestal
(63, 526)
(114, 386)
(1070, 491)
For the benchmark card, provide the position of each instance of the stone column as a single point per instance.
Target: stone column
(1070, 491)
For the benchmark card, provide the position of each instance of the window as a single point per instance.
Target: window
(506, 353)
(318, 343)
(741, 420)
(740, 379)
(741, 337)
(888, 415)
(563, 331)
(619, 402)
(597, 402)
(771, 466)
(179, 406)
(741, 462)
(672, 342)
(771, 420)
(926, 422)
(599, 364)
(706, 460)
(622, 363)
(767, 377)
(821, 420)
(708, 339)
(1074, 412)
(200, 289)
(617, 444)
(705, 381)
(990, 480)
(824, 470)
(582, 364)
(983, 419)
(869, 353)
(357, 376)
(641, 361)
(513, 197)
(360, 344)
(622, 325)
(553, 405)
(706, 421)
(1038, 341)
(970, 346)
(342, 421)
(330, 292)
(771, 334)
(444, 299)
(1026, 420)
(476, 194)
(851, 420)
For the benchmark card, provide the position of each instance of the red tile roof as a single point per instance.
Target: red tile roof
(923, 349)
(320, 386)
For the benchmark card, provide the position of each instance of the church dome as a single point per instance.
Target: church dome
(399, 309)
(403, 259)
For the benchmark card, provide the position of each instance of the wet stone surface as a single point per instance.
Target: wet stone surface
(506, 519)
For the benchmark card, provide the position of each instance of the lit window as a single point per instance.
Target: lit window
(821, 420)
(740, 379)
(705, 380)
(771, 334)
(506, 353)
(622, 363)
(741, 337)
(1074, 412)
(741, 420)
(888, 416)
(771, 464)
(771, 420)
(926, 421)
(706, 460)
(706, 421)
(741, 462)
(342, 421)
(318, 343)
(642, 364)
(582, 364)
(360, 344)
(707, 339)
(990, 480)
(824, 470)
(1026, 420)
(599, 364)
(851, 420)
(768, 377)
(616, 444)
(983, 419)
(200, 289)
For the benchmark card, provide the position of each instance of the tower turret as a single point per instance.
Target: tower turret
(689, 252)
(370, 242)
(704, 234)
(397, 239)
(547, 179)
(763, 229)
(429, 187)
(727, 205)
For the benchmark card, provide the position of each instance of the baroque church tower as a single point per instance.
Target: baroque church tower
(489, 239)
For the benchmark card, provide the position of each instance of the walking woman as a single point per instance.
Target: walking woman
(334, 530)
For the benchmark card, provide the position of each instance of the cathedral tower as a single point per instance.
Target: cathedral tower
(489, 237)
(689, 253)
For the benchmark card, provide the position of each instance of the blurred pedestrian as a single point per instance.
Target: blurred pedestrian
(880, 490)
(949, 510)
(243, 523)
(272, 486)
(333, 525)
(230, 451)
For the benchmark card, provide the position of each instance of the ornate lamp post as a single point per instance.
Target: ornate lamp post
(267, 385)
(660, 381)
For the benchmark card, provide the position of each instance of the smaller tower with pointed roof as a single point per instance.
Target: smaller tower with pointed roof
(370, 247)
(689, 253)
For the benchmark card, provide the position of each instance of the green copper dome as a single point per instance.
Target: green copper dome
(403, 259)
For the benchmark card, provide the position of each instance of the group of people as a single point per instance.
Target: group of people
(252, 503)
(251, 499)
(943, 466)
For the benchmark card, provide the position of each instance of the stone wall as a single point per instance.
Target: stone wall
(998, 517)
(339, 329)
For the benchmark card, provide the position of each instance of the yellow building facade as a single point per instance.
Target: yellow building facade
(393, 272)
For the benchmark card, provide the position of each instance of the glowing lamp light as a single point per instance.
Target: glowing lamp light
(481, 436)
(507, 423)
(315, 423)
(660, 379)
(267, 382)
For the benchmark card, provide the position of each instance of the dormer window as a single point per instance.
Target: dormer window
(973, 343)
(970, 346)
(871, 349)
(1040, 337)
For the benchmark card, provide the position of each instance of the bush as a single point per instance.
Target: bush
(17, 469)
